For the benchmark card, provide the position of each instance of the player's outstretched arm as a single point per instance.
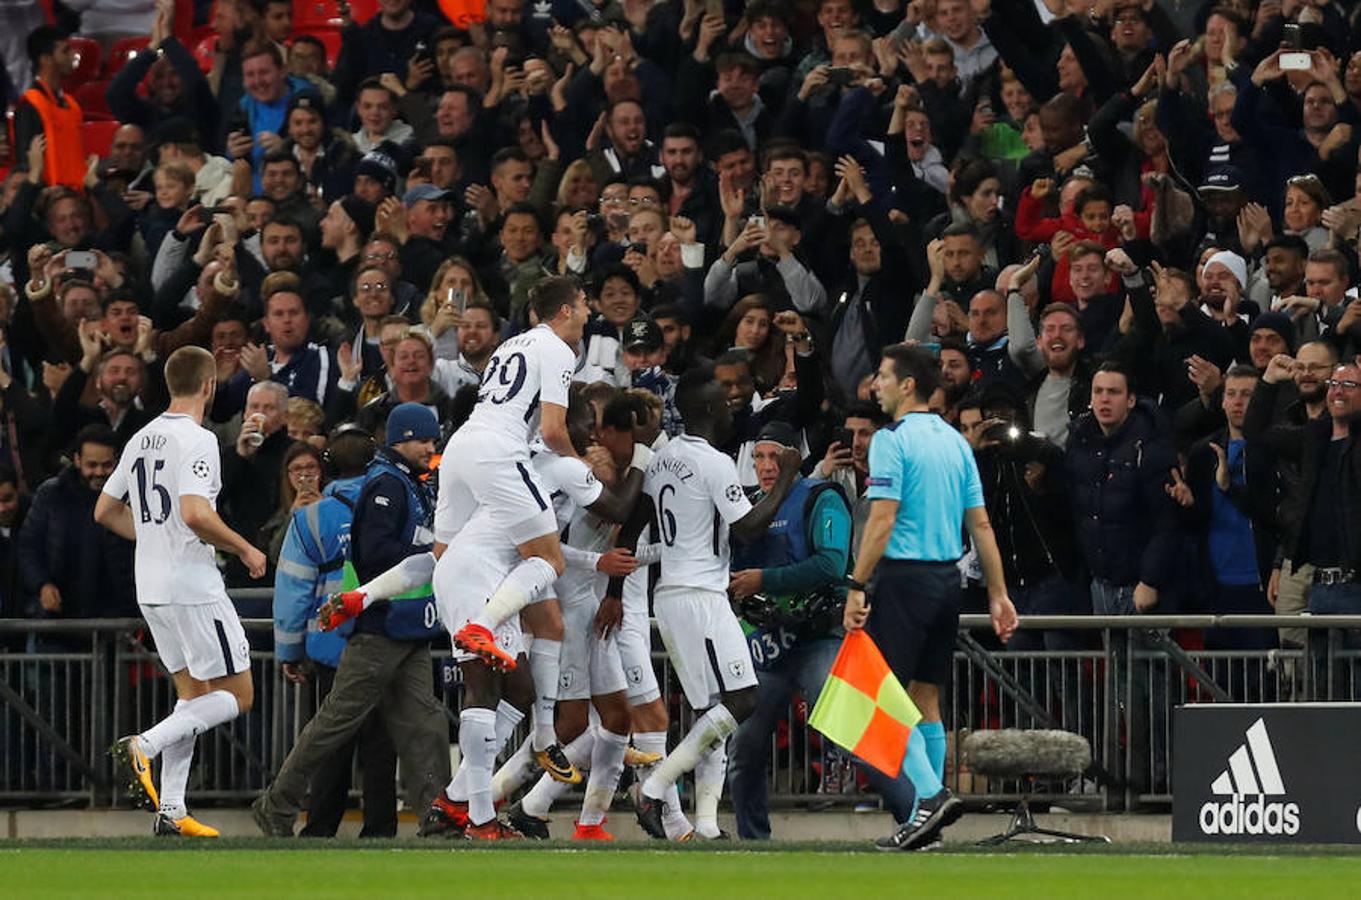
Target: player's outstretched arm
(203, 520)
(616, 504)
(116, 516)
(610, 614)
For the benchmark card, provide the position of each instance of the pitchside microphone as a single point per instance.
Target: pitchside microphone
(1020, 753)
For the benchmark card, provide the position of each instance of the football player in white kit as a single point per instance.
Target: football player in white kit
(697, 501)
(468, 568)
(163, 496)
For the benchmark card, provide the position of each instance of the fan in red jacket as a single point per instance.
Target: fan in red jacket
(1088, 219)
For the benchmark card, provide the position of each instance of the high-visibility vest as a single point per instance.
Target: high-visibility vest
(64, 162)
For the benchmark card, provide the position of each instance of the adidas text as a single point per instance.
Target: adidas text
(1243, 815)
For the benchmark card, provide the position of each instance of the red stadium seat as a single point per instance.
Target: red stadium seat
(308, 14)
(99, 136)
(329, 37)
(88, 61)
(204, 52)
(93, 103)
(124, 50)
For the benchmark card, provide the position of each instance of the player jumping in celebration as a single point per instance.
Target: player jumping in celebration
(923, 488)
(697, 499)
(162, 495)
(523, 391)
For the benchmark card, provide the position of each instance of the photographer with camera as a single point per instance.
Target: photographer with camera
(1025, 493)
(789, 586)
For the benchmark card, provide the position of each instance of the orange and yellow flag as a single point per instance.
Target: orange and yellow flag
(864, 708)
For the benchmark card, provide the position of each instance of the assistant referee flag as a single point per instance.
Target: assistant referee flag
(864, 708)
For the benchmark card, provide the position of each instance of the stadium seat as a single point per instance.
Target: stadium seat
(124, 50)
(204, 51)
(88, 61)
(99, 136)
(308, 14)
(93, 102)
(329, 37)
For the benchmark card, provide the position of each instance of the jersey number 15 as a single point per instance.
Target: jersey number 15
(139, 468)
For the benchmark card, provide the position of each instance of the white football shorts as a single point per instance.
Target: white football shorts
(704, 642)
(207, 638)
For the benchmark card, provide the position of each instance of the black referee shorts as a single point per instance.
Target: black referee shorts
(914, 617)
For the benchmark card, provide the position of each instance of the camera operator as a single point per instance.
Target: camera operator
(1024, 492)
(790, 587)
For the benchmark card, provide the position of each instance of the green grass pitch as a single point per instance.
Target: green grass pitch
(257, 869)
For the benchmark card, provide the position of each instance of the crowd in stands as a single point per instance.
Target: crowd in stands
(1128, 229)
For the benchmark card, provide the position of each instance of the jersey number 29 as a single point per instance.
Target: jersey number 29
(504, 378)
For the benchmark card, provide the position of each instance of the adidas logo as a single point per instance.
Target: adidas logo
(1252, 776)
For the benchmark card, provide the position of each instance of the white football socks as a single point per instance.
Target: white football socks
(407, 575)
(507, 718)
(176, 760)
(544, 658)
(477, 741)
(546, 790)
(524, 585)
(189, 719)
(515, 772)
(710, 773)
(714, 727)
(607, 764)
(673, 817)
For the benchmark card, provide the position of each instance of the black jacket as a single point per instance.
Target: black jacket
(1034, 525)
(1126, 523)
(1275, 416)
(60, 543)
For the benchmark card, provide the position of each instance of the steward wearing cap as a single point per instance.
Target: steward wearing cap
(790, 586)
(392, 520)
(386, 664)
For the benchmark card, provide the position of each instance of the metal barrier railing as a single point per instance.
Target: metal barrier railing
(69, 688)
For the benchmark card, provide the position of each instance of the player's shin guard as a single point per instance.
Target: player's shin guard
(544, 658)
(917, 767)
(714, 727)
(546, 790)
(176, 760)
(607, 764)
(409, 574)
(477, 741)
(524, 585)
(190, 719)
(710, 774)
(934, 734)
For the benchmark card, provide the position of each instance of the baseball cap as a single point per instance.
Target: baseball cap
(641, 333)
(425, 192)
(306, 99)
(411, 422)
(781, 433)
(1222, 178)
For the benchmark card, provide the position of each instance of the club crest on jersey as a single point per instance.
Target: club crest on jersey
(566, 378)
(635, 674)
(201, 468)
(733, 493)
(737, 668)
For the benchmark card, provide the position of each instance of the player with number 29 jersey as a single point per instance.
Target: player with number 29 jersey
(169, 457)
(529, 368)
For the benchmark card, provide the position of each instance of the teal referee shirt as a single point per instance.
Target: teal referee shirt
(926, 466)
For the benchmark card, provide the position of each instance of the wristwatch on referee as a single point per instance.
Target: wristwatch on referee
(855, 585)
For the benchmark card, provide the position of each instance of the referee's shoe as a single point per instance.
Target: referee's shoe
(931, 817)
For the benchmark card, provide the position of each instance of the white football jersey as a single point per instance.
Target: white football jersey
(571, 486)
(171, 457)
(697, 496)
(528, 369)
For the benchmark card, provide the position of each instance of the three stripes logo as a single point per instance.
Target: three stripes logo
(1251, 777)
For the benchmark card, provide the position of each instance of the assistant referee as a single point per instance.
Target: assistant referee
(923, 488)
